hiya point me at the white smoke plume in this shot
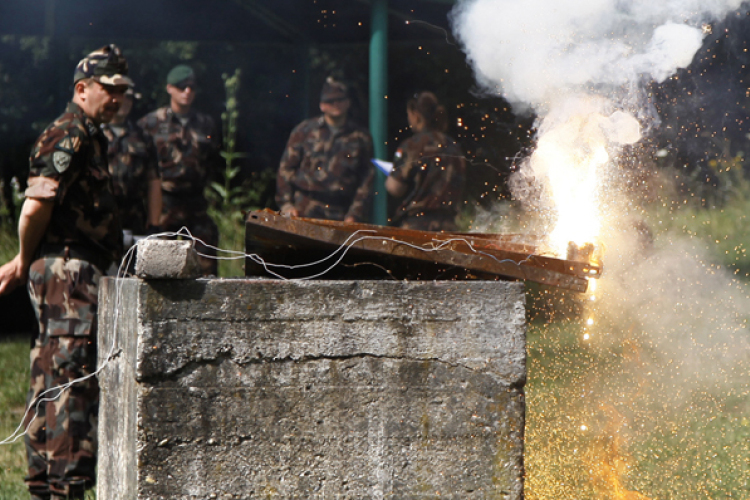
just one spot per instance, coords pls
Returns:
(534, 52)
(579, 64)
(569, 61)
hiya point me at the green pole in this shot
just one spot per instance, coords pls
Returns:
(379, 102)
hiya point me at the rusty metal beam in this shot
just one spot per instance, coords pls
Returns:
(297, 240)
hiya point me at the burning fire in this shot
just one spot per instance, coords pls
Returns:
(575, 146)
(574, 176)
(608, 463)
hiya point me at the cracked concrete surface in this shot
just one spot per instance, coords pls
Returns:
(322, 389)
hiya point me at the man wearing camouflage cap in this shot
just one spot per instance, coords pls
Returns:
(69, 233)
(188, 149)
(326, 172)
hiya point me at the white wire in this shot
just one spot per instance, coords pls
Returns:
(127, 260)
(40, 399)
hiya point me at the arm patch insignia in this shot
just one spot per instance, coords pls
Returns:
(64, 150)
(61, 159)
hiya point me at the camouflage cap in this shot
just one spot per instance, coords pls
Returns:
(179, 74)
(105, 65)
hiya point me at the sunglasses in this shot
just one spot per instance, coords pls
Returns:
(182, 87)
(335, 101)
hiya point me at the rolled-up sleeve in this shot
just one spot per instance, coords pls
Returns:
(42, 188)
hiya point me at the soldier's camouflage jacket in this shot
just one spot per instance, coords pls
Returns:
(330, 171)
(132, 162)
(68, 165)
(434, 169)
(189, 155)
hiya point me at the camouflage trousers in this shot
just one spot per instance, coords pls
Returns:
(61, 439)
(315, 209)
(176, 215)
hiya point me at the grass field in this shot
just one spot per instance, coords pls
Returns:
(596, 428)
(14, 382)
(602, 425)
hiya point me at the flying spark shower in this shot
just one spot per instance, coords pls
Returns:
(580, 67)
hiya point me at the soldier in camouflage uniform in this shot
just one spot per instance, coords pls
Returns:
(135, 174)
(428, 170)
(188, 148)
(70, 235)
(326, 172)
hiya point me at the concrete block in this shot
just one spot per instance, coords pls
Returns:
(167, 259)
(311, 389)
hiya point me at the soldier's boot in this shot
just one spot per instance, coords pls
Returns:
(73, 490)
(38, 487)
(74, 493)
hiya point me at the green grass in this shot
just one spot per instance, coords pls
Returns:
(717, 219)
(723, 231)
(602, 423)
(14, 382)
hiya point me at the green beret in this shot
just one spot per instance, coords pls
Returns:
(179, 74)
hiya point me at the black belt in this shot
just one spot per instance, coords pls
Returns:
(73, 251)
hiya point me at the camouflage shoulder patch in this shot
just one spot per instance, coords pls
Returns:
(61, 160)
(64, 151)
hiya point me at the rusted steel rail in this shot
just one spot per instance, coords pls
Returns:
(293, 247)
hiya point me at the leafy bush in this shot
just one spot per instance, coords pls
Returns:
(8, 243)
(229, 201)
(8, 232)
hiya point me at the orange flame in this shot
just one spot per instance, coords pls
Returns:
(609, 464)
(574, 178)
(575, 147)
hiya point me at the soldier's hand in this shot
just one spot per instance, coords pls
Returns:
(289, 209)
(12, 275)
